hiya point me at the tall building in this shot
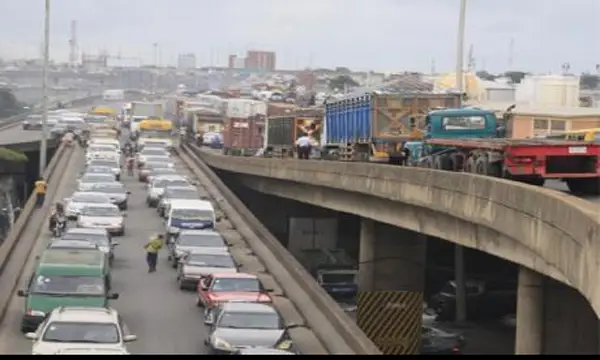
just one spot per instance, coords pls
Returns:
(186, 61)
(236, 62)
(260, 60)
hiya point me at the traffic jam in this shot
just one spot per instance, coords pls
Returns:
(68, 300)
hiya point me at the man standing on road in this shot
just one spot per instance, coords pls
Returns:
(152, 248)
(40, 192)
(304, 146)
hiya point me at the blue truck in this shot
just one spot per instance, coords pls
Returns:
(374, 127)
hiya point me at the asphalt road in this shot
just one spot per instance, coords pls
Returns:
(561, 186)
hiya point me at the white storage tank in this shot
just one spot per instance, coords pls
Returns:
(550, 91)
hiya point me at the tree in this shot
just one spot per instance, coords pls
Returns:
(515, 76)
(589, 81)
(486, 75)
(341, 82)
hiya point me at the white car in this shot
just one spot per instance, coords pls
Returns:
(80, 328)
(110, 163)
(114, 143)
(102, 216)
(87, 181)
(91, 351)
(147, 154)
(157, 187)
(79, 200)
(98, 237)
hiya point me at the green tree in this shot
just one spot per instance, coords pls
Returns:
(341, 82)
(589, 81)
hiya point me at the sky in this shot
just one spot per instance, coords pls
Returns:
(381, 35)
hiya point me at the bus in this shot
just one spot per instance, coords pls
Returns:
(578, 135)
(156, 130)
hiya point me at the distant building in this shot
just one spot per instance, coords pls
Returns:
(260, 60)
(93, 63)
(236, 62)
(186, 61)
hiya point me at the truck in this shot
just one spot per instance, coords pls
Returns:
(474, 140)
(141, 110)
(243, 136)
(201, 121)
(283, 131)
(373, 126)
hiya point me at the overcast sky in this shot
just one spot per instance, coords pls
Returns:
(386, 35)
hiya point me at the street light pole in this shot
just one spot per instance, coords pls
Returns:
(459, 258)
(43, 140)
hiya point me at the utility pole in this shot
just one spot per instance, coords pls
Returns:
(43, 140)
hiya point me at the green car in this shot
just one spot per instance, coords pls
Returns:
(65, 278)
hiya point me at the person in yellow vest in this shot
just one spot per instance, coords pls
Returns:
(152, 248)
(40, 191)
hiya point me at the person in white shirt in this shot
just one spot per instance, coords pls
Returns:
(304, 147)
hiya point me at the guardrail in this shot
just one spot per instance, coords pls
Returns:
(310, 299)
(9, 280)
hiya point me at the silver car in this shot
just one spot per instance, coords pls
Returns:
(79, 200)
(241, 325)
(157, 187)
(87, 181)
(176, 193)
(115, 191)
(112, 164)
(97, 237)
(194, 266)
(102, 216)
(196, 241)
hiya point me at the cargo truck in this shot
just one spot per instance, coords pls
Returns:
(201, 121)
(373, 126)
(474, 141)
(283, 131)
(144, 110)
(243, 136)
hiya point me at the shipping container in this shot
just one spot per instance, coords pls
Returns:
(243, 108)
(374, 125)
(202, 121)
(243, 136)
(279, 109)
(283, 131)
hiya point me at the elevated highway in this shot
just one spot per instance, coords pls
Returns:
(545, 231)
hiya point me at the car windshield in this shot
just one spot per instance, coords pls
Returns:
(97, 178)
(98, 170)
(195, 240)
(82, 332)
(192, 214)
(71, 285)
(249, 320)
(163, 183)
(110, 189)
(236, 285)
(154, 152)
(93, 238)
(341, 278)
(182, 194)
(100, 211)
(89, 198)
(107, 163)
(101, 148)
(207, 260)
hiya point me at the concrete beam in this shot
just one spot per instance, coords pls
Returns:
(544, 230)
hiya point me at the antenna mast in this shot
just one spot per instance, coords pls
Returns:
(511, 51)
(73, 58)
(471, 59)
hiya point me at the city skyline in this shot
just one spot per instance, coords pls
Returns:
(385, 35)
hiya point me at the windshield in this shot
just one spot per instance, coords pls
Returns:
(99, 170)
(97, 178)
(182, 194)
(82, 332)
(201, 240)
(191, 214)
(93, 238)
(169, 182)
(156, 134)
(236, 285)
(154, 152)
(107, 163)
(72, 285)
(156, 165)
(95, 119)
(110, 189)
(89, 198)
(249, 320)
(204, 260)
(100, 211)
(347, 278)
(464, 122)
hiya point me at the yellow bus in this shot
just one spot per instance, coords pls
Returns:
(156, 130)
(579, 135)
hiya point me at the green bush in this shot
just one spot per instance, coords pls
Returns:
(12, 155)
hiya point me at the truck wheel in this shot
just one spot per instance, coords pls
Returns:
(470, 165)
(481, 166)
(589, 186)
(443, 162)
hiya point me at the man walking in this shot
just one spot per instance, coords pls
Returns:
(304, 147)
(152, 248)
(40, 192)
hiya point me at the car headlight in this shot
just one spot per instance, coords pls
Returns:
(173, 229)
(220, 344)
(105, 249)
(36, 313)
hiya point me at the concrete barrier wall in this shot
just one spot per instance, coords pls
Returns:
(545, 230)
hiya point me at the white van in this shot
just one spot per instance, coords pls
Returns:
(190, 214)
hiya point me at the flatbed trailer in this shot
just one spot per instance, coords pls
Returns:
(527, 160)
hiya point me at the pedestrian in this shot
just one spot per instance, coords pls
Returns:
(40, 192)
(304, 147)
(152, 248)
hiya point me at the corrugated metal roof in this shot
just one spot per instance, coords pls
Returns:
(541, 111)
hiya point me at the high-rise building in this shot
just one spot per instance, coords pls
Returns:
(260, 60)
(236, 62)
(186, 61)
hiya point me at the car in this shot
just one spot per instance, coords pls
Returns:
(262, 351)
(79, 199)
(112, 164)
(157, 159)
(99, 148)
(80, 327)
(142, 156)
(240, 325)
(87, 181)
(95, 120)
(59, 130)
(91, 351)
(103, 155)
(158, 185)
(176, 193)
(224, 287)
(148, 167)
(98, 237)
(115, 191)
(194, 266)
(98, 170)
(34, 122)
(72, 245)
(157, 171)
(196, 241)
(102, 216)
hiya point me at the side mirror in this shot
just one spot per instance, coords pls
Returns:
(129, 338)
(31, 336)
(113, 296)
(124, 214)
(114, 243)
(22, 293)
(128, 192)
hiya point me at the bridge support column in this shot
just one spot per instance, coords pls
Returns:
(391, 284)
(530, 309)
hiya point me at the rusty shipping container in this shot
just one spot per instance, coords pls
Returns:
(243, 135)
(283, 131)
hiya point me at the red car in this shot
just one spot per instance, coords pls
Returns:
(217, 288)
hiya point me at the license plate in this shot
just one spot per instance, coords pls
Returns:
(577, 149)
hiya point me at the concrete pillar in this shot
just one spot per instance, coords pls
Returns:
(366, 255)
(530, 309)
